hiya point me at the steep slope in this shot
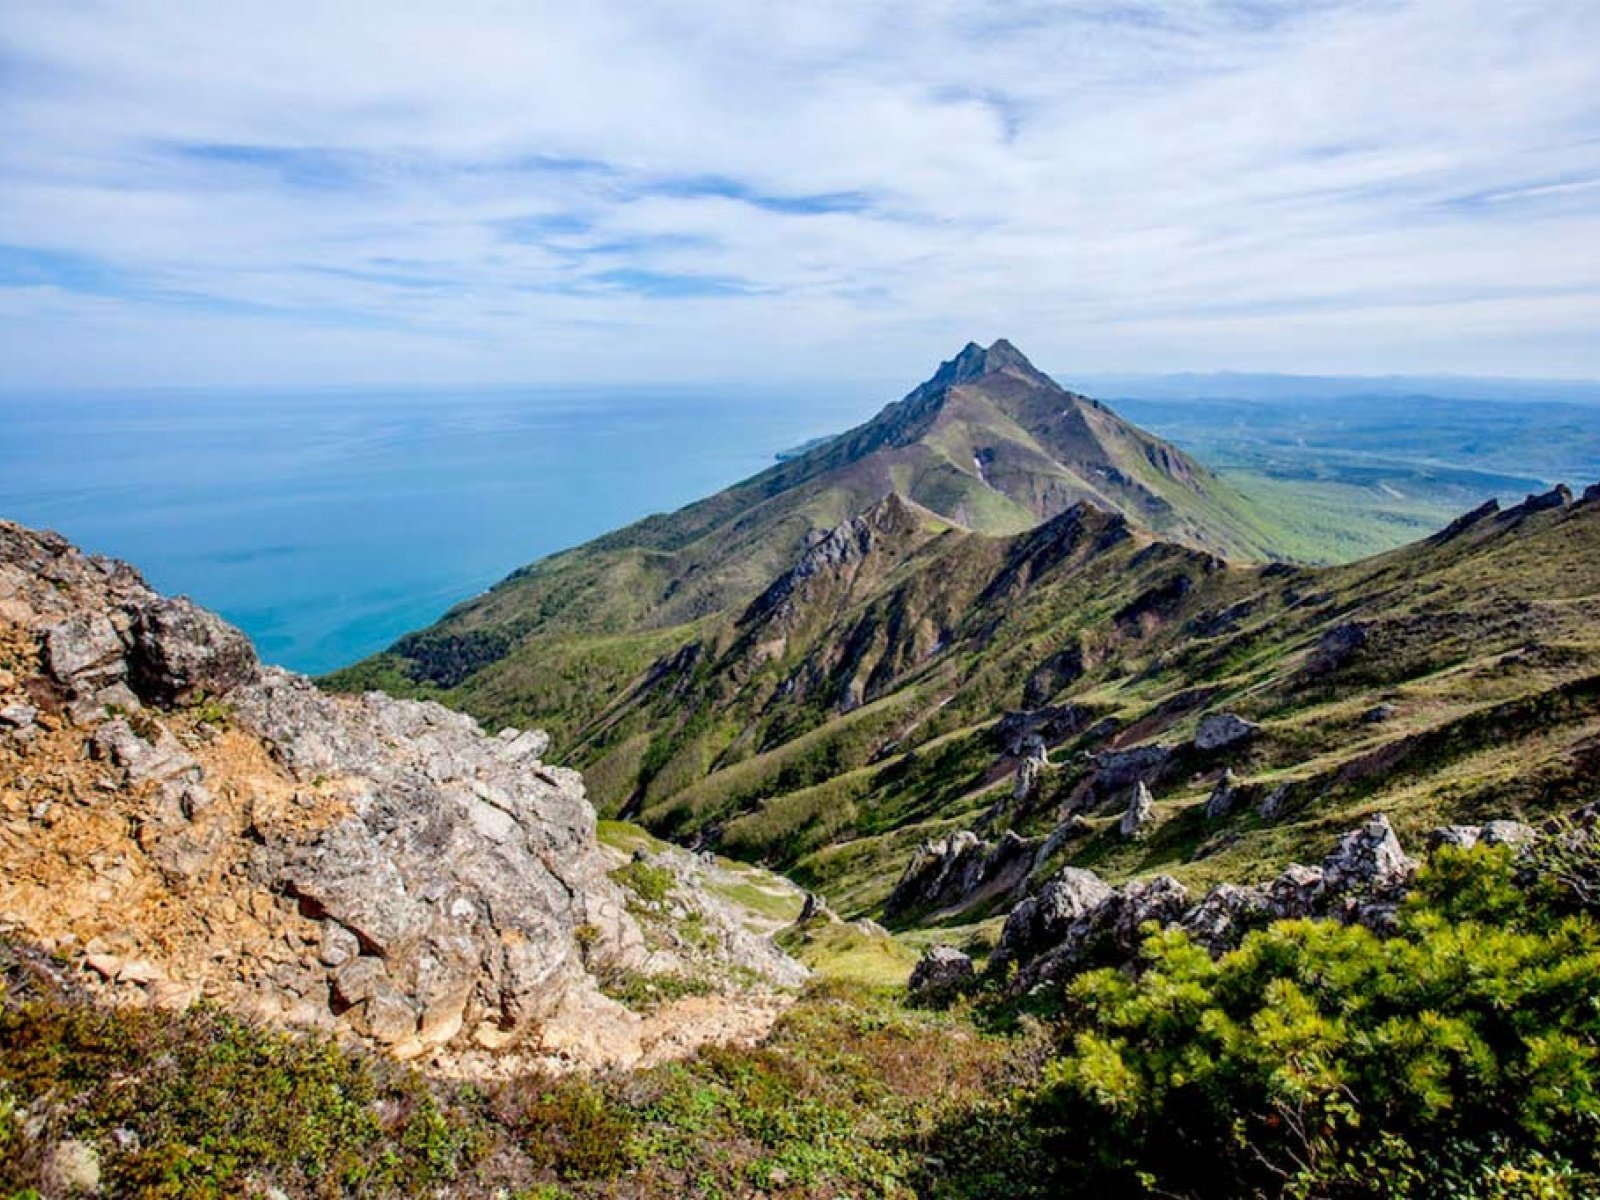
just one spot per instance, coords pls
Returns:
(1142, 707)
(904, 684)
(988, 444)
(183, 822)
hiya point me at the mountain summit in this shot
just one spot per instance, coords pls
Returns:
(974, 361)
(994, 444)
(988, 447)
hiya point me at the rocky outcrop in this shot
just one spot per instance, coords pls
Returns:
(1140, 812)
(1044, 921)
(1494, 833)
(378, 867)
(942, 973)
(958, 871)
(1338, 646)
(1117, 770)
(1224, 797)
(1220, 730)
(1076, 920)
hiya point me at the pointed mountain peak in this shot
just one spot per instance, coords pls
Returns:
(975, 361)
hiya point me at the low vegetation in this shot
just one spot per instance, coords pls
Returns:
(1457, 1057)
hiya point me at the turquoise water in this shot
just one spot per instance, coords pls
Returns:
(327, 524)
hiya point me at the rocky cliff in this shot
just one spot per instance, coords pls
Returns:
(184, 822)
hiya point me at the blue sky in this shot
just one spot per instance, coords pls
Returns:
(725, 190)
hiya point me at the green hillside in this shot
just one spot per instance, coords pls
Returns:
(829, 715)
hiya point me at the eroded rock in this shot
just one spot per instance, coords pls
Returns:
(1221, 730)
(942, 973)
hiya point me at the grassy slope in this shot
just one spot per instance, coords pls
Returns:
(1483, 644)
(554, 643)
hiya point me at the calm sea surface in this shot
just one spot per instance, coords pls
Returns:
(327, 524)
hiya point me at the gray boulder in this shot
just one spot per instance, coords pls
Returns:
(1220, 730)
(1338, 646)
(180, 651)
(1044, 920)
(1369, 858)
(942, 973)
(1463, 837)
(1140, 812)
(1507, 833)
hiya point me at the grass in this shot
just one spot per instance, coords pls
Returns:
(841, 950)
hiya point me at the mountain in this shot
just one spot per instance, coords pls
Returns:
(921, 718)
(1071, 762)
(988, 444)
(908, 682)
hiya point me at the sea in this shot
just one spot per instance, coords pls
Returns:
(327, 523)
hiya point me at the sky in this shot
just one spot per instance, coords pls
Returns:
(203, 194)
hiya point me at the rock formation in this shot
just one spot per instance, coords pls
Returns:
(1220, 730)
(1076, 920)
(941, 973)
(956, 871)
(192, 823)
(1141, 811)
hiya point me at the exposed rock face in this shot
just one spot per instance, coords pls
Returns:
(1031, 764)
(1116, 770)
(1141, 811)
(1559, 496)
(941, 973)
(959, 870)
(375, 866)
(1223, 797)
(1220, 730)
(1045, 920)
(1076, 920)
(1494, 833)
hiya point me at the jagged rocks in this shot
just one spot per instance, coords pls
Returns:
(942, 973)
(1015, 731)
(378, 867)
(1031, 765)
(1116, 770)
(1495, 833)
(1140, 813)
(1559, 496)
(1076, 920)
(1044, 920)
(1369, 858)
(1221, 730)
(1224, 915)
(959, 870)
(1378, 714)
(1223, 797)
(179, 651)
(1275, 802)
(1506, 833)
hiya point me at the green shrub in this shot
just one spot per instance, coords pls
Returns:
(1323, 1060)
(650, 884)
(211, 1101)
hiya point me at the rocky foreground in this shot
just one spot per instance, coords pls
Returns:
(180, 822)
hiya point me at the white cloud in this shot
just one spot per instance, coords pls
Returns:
(316, 193)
